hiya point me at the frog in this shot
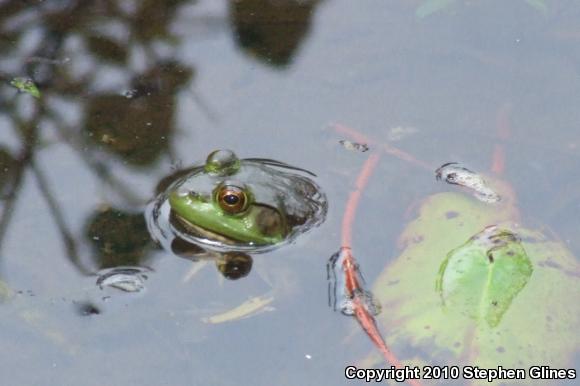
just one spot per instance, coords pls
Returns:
(226, 209)
(232, 204)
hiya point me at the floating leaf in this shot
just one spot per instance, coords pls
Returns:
(539, 323)
(431, 6)
(26, 85)
(482, 277)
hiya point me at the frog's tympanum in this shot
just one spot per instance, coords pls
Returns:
(232, 204)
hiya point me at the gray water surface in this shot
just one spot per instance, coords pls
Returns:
(133, 90)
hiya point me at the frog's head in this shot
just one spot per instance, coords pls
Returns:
(248, 202)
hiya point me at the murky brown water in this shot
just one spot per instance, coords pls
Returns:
(130, 91)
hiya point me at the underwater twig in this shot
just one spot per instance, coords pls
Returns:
(11, 196)
(27, 131)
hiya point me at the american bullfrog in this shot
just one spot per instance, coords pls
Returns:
(237, 205)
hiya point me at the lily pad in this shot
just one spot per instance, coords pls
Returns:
(427, 318)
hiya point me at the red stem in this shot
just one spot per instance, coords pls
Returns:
(503, 128)
(352, 284)
(352, 203)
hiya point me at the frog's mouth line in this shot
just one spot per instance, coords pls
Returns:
(188, 227)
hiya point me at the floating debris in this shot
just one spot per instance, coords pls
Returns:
(87, 309)
(454, 174)
(346, 285)
(248, 308)
(124, 279)
(132, 93)
(354, 146)
(400, 132)
(25, 85)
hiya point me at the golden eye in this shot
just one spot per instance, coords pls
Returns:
(232, 199)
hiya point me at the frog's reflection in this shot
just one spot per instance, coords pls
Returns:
(232, 265)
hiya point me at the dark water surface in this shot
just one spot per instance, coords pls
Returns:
(132, 90)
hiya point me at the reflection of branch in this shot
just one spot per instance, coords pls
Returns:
(204, 106)
(10, 201)
(68, 240)
(71, 137)
(27, 131)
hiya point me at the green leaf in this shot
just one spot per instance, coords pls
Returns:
(482, 277)
(539, 5)
(25, 85)
(425, 315)
(431, 6)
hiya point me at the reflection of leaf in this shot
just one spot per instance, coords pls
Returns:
(108, 49)
(540, 324)
(119, 238)
(272, 31)
(153, 17)
(540, 5)
(482, 277)
(165, 77)
(431, 6)
(26, 85)
(137, 127)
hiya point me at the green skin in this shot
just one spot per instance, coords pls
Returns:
(246, 227)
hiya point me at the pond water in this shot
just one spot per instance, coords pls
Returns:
(131, 91)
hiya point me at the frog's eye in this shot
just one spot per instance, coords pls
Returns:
(232, 199)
